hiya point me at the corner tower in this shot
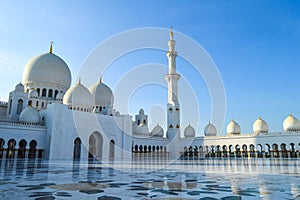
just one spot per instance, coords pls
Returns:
(173, 107)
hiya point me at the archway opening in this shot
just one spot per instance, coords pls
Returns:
(11, 148)
(95, 146)
(77, 149)
(32, 149)
(111, 150)
(22, 149)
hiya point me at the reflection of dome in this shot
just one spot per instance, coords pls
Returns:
(60, 96)
(102, 94)
(19, 87)
(33, 94)
(210, 130)
(47, 68)
(30, 115)
(189, 131)
(157, 131)
(260, 126)
(78, 96)
(291, 123)
(233, 128)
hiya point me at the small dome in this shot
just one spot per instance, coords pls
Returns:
(19, 87)
(142, 129)
(101, 94)
(157, 131)
(60, 96)
(33, 94)
(30, 115)
(233, 128)
(47, 68)
(210, 130)
(189, 131)
(291, 123)
(78, 96)
(260, 126)
(141, 111)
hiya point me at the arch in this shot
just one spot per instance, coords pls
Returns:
(95, 146)
(149, 148)
(267, 151)
(22, 149)
(245, 150)
(231, 151)
(11, 148)
(157, 148)
(43, 104)
(32, 149)
(293, 153)
(37, 104)
(275, 150)
(38, 91)
(283, 150)
(30, 103)
(190, 151)
(111, 150)
(145, 148)
(44, 91)
(252, 150)
(259, 149)
(2, 142)
(136, 148)
(153, 148)
(19, 106)
(144, 121)
(238, 150)
(224, 150)
(141, 148)
(77, 149)
(55, 93)
(50, 93)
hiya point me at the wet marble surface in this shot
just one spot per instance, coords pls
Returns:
(226, 179)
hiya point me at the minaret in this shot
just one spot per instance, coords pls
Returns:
(173, 107)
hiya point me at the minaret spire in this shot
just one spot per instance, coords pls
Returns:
(173, 106)
(51, 43)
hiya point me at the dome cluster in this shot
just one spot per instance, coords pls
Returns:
(98, 98)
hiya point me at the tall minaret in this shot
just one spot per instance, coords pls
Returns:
(173, 112)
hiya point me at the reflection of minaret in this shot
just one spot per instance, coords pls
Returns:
(173, 112)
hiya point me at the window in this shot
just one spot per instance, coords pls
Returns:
(19, 106)
(44, 91)
(50, 93)
(37, 104)
(38, 91)
(29, 103)
(55, 93)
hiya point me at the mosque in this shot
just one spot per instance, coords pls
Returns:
(47, 118)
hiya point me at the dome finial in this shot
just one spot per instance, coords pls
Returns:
(100, 79)
(51, 43)
(259, 117)
(79, 81)
(171, 34)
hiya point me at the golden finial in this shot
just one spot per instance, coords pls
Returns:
(171, 33)
(79, 81)
(100, 79)
(259, 118)
(51, 43)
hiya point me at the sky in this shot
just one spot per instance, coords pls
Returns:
(254, 44)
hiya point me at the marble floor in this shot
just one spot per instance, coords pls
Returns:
(224, 179)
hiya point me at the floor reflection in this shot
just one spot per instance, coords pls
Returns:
(253, 178)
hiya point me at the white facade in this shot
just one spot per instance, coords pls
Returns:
(46, 117)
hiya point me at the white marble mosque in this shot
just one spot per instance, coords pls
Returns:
(46, 117)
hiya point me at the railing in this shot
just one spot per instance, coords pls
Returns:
(3, 103)
(21, 124)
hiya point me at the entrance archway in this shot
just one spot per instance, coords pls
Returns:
(77, 149)
(95, 146)
(111, 150)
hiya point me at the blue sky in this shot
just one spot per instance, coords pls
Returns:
(255, 45)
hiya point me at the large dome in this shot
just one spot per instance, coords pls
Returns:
(189, 131)
(47, 68)
(233, 128)
(291, 123)
(102, 94)
(30, 115)
(210, 130)
(78, 96)
(260, 126)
